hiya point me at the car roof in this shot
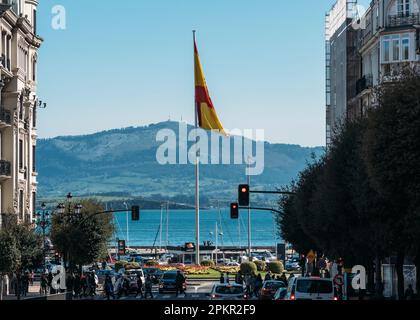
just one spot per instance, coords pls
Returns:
(314, 279)
(228, 285)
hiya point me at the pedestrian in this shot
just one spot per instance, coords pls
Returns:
(139, 286)
(409, 293)
(49, 282)
(70, 284)
(180, 281)
(248, 280)
(227, 280)
(77, 285)
(148, 287)
(222, 278)
(283, 278)
(109, 287)
(43, 285)
(25, 284)
(84, 284)
(268, 276)
(258, 283)
(239, 279)
(31, 278)
(94, 282)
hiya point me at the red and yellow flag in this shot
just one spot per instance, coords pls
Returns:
(206, 114)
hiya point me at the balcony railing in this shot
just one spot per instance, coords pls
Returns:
(5, 116)
(364, 83)
(403, 20)
(5, 168)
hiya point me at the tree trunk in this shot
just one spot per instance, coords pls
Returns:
(378, 279)
(400, 274)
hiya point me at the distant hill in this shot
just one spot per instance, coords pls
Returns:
(123, 162)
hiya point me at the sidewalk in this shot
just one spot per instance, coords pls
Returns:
(33, 292)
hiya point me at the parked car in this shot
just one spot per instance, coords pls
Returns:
(270, 288)
(228, 292)
(292, 266)
(232, 264)
(301, 288)
(167, 282)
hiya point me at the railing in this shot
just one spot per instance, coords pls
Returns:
(5, 168)
(403, 20)
(5, 116)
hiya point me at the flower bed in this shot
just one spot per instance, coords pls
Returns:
(226, 269)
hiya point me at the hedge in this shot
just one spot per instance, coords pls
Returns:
(248, 268)
(275, 267)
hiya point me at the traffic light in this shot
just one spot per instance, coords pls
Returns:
(243, 195)
(234, 211)
(121, 247)
(135, 213)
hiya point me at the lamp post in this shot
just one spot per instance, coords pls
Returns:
(43, 222)
(69, 212)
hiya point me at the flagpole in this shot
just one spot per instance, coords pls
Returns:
(197, 177)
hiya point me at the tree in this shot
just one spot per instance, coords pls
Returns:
(20, 247)
(82, 239)
(392, 153)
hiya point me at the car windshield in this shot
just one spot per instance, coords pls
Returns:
(229, 290)
(314, 286)
(169, 276)
(274, 285)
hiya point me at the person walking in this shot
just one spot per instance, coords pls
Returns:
(148, 287)
(77, 285)
(258, 285)
(180, 280)
(248, 285)
(94, 282)
(43, 285)
(139, 287)
(49, 282)
(283, 278)
(268, 276)
(222, 278)
(109, 288)
(227, 280)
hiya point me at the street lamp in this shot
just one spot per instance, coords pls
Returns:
(43, 222)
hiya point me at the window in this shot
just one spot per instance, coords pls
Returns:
(33, 70)
(403, 8)
(20, 154)
(395, 48)
(34, 117)
(34, 202)
(405, 44)
(33, 158)
(21, 204)
(34, 22)
(386, 47)
(21, 107)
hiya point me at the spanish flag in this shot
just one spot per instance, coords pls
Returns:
(206, 114)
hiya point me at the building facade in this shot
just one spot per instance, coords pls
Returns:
(18, 105)
(342, 63)
(387, 41)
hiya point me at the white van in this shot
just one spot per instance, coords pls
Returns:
(301, 288)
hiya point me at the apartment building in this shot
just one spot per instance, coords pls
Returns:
(18, 105)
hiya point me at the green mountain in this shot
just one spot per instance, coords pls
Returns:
(122, 163)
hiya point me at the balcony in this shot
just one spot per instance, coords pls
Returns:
(364, 83)
(403, 20)
(5, 118)
(5, 170)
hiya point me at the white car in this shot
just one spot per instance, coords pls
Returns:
(301, 288)
(228, 292)
(232, 264)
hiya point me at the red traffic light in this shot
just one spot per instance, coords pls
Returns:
(243, 195)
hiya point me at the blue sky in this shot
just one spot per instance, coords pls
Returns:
(130, 63)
